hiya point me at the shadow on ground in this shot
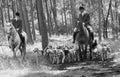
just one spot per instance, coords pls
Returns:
(82, 69)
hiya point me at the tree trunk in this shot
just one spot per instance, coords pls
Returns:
(116, 19)
(32, 19)
(64, 10)
(13, 9)
(8, 10)
(99, 10)
(48, 18)
(22, 15)
(41, 19)
(27, 24)
(72, 3)
(16, 6)
(51, 23)
(106, 20)
(2, 18)
(53, 8)
(37, 8)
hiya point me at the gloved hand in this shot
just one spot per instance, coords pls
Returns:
(83, 23)
(78, 21)
(17, 29)
(75, 29)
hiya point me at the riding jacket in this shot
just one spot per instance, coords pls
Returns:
(17, 24)
(84, 18)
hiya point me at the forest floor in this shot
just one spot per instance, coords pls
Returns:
(10, 67)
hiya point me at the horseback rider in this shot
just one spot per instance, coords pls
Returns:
(84, 18)
(17, 23)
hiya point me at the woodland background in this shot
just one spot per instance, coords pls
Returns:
(58, 17)
(53, 21)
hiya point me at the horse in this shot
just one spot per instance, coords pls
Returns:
(83, 40)
(15, 41)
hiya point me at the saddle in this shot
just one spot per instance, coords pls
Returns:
(21, 36)
(90, 31)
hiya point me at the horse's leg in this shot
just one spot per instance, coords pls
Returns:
(90, 52)
(74, 56)
(85, 51)
(63, 59)
(80, 54)
(20, 50)
(14, 53)
(58, 60)
(23, 52)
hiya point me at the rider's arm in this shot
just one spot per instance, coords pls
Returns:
(20, 24)
(86, 19)
(13, 22)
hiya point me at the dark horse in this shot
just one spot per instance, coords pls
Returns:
(14, 40)
(83, 40)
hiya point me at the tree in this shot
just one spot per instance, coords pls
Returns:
(13, 8)
(99, 10)
(106, 21)
(24, 16)
(8, 10)
(54, 12)
(27, 24)
(72, 3)
(42, 23)
(49, 24)
(64, 10)
(116, 19)
(2, 16)
(32, 19)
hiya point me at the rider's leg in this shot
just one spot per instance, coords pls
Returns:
(8, 37)
(92, 35)
(91, 32)
(74, 35)
(21, 37)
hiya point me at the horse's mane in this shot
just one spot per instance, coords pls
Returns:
(81, 28)
(13, 31)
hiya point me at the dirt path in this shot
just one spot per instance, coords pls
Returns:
(109, 68)
(12, 68)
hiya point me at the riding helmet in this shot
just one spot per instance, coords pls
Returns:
(17, 14)
(81, 8)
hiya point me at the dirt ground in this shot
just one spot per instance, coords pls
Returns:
(14, 68)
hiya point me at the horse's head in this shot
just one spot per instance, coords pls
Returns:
(82, 36)
(9, 28)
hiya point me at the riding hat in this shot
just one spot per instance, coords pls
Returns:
(17, 14)
(81, 8)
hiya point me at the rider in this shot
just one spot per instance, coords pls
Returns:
(17, 23)
(84, 18)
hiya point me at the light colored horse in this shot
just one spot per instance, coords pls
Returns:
(15, 41)
(83, 41)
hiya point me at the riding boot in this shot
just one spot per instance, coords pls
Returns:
(22, 38)
(8, 40)
(20, 35)
(92, 35)
(74, 35)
